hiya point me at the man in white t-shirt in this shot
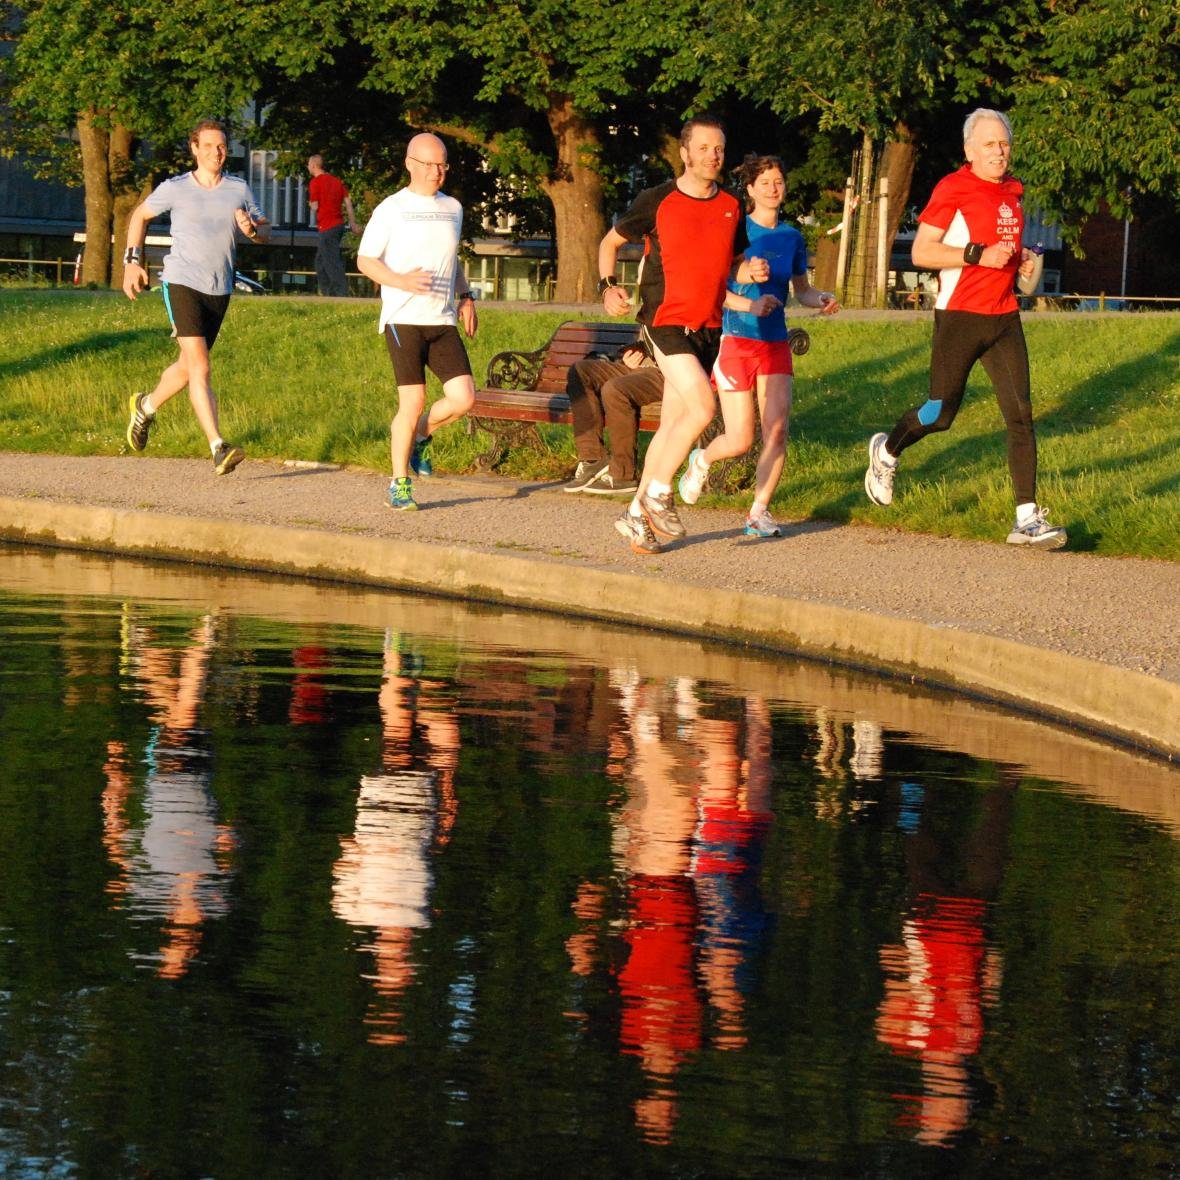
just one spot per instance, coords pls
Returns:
(411, 247)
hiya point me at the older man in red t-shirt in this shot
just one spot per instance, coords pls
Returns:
(329, 201)
(970, 231)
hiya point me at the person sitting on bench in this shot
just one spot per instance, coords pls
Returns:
(610, 393)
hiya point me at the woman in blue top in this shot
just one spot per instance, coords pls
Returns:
(755, 354)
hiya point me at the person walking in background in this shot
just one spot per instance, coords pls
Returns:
(970, 231)
(329, 201)
(694, 235)
(209, 211)
(609, 394)
(411, 248)
(755, 354)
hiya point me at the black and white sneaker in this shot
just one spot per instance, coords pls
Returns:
(586, 471)
(605, 484)
(140, 424)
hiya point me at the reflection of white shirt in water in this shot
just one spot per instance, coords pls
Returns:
(179, 838)
(383, 876)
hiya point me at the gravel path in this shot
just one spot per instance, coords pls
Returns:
(1121, 611)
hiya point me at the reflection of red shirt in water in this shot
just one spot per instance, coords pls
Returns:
(937, 1007)
(661, 1007)
(309, 696)
(728, 838)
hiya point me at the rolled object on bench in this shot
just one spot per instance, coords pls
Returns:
(799, 340)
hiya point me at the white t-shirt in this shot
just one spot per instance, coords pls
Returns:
(409, 230)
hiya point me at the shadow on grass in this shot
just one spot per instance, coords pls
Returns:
(101, 342)
(1082, 538)
(1100, 399)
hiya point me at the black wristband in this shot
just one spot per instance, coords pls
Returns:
(130, 255)
(468, 294)
(972, 253)
(605, 285)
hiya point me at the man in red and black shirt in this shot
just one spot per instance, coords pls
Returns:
(693, 232)
(970, 232)
(329, 202)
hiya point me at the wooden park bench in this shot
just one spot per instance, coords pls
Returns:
(525, 389)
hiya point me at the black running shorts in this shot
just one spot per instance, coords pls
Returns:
(702, 343)
(193, 313)
(413, 348)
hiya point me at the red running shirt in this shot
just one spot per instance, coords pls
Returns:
(972, 210)
(690, 245)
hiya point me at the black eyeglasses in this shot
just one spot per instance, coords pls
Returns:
(429, 163)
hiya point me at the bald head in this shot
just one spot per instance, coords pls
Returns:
(426, 162)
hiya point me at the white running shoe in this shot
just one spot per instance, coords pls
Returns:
(692, 482)
(879, 477)
(762, 525)
(1038, 532)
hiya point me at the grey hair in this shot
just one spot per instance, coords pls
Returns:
(983, 113)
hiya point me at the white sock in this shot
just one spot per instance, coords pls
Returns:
(702, 464)
(757, 508)
(217, 442)
(635, 509)
(655, 488)
(147, 407)
(1025, 512)
(886, 456)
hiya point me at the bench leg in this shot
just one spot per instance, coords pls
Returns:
(504, 435)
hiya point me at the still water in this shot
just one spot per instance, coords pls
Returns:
(308, 881)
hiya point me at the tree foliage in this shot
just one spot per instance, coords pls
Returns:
(560, 101)
(1094, 98)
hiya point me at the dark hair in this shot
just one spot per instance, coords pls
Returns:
(699, 121)
(750, 169)
(206, 125)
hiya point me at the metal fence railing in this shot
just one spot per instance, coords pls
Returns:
(60, 272)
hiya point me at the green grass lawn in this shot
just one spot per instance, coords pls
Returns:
(304, 379)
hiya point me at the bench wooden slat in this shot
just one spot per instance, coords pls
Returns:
(547, 401)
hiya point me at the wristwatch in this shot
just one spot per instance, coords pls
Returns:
(468, 294)
(972, 253)
(605, 284)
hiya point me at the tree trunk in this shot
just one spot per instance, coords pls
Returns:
(897, 164)
(862, 249)
(895, 160)
(575, 188)
(126, 194)
(95, 142)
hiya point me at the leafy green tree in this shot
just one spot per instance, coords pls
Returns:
(869, 70)
(545, 89)
(99, 92)
(1095, 101)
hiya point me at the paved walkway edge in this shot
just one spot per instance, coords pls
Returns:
(1123, 704)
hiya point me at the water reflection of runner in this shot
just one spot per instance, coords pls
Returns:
(941, 975)
(175, 864)
(383, 878)
(661, 1017)
(733, 820)
(686, 843)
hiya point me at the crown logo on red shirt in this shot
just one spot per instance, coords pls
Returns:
(1005, 209)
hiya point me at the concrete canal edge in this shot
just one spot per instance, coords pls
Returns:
(1122, 704)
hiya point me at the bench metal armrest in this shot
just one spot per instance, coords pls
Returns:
(515, 370)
